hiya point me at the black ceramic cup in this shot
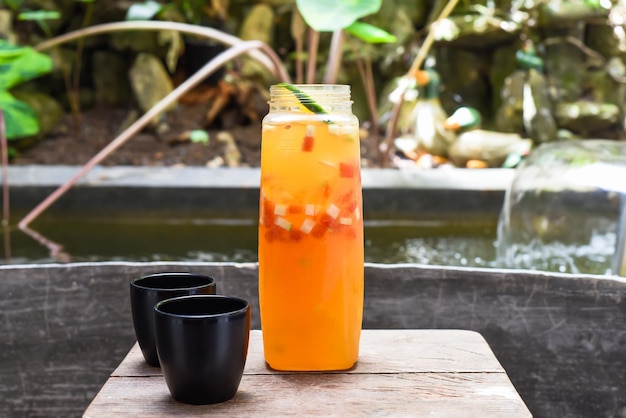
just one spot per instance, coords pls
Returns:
(147, 291)
(202, 342)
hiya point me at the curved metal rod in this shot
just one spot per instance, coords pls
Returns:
(267, 57)
(136, 127)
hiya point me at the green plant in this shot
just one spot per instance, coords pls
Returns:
(256, 49)
(41, 17)
(38, 16)
(339, 16)
(193, 10)
(17, 118)
(17, 65)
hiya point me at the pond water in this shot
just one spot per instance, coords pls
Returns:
(123, 237)
(447, 241)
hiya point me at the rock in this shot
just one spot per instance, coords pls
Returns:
(6, 26)
(110, 78)
(49, 113)
(602, 86)
(490, 147)
(150, 82)
(565, 64)
(175, 47)
(553, 13)
(587, 117)
(506, 65)
(602, 38)
(215, 162)
(509, 115)
(537, 109)
(232, 155)
(146, 42)
(565, 135)
(258, 25)
(462, 79)
(476, 30)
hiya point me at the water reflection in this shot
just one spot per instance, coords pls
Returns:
(456, 242)
(56, 250)
(6, 235)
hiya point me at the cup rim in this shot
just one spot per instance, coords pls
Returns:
(135, 282)
(227, 314)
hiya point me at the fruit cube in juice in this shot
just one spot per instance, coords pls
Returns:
(311, 243)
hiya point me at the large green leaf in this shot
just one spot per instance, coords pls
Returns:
(370, 33)
(19, 118)
(331, 15)
(20, 64)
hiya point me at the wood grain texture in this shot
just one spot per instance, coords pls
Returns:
(438, 373)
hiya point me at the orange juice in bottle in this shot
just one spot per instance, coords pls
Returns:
(310, 229)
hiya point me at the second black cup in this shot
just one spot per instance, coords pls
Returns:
(202, 343)
(147, 291)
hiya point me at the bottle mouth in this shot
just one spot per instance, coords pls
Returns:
(317, 98)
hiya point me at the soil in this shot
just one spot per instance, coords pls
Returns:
(164, 145)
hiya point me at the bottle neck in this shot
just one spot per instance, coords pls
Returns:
(311, 98)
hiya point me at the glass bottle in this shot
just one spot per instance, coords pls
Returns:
(310, 229)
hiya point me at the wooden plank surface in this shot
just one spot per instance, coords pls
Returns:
(440, 373)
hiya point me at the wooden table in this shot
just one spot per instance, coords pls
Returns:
(434, 373)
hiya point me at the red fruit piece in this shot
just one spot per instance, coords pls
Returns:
(296, 235)
(347, 201)
(307, 143)
(276, 232)
(295, 209)
(268, 212)
(326, 220)
(270, 235)
(319, 230)
(346, 170)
